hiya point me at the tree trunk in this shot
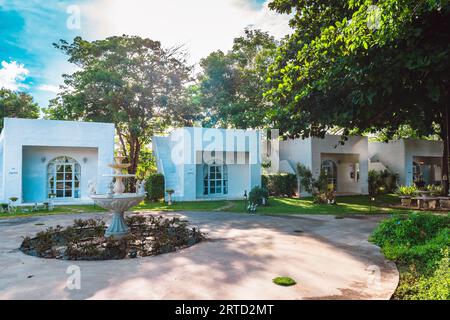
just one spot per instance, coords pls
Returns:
(446, 160)
(445, 155)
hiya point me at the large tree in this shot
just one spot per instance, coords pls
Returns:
(231, 85)
(17, 105)
(364, 68)
(132, 82)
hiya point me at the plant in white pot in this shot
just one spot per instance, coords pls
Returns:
(169, 193)
(406, 193)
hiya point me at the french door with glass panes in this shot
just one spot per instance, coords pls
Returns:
(64, 178)
(215, 181)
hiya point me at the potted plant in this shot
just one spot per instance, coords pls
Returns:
(169, 193)
(406, 193)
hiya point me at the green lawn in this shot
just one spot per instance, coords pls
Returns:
(346, 205)
(57, 210)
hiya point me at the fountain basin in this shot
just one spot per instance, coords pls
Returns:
(117, 204)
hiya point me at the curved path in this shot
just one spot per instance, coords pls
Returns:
(329, 258)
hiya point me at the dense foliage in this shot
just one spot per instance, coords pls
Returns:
(132, 82)
(282, 185)
(155, 187)
(17, 105)
(419, 244)
(258, 195)
(362, 67)
(382, 182)
(231, 85)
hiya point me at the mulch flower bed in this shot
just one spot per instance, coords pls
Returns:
(85, 240)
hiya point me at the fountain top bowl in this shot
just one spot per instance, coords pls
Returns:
(118, 196)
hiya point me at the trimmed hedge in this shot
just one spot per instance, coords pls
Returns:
(281, 185)
(155, 187)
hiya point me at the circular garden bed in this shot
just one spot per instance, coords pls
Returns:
(85, 239)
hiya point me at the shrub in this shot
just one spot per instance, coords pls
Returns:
(284, 281)
(264, 181)
(418, 243)
(407, 191)
(435, 190)
(318, 187)
(382, 182)
(283, 185)
(257, 194)
(155, 187)
(435, 287)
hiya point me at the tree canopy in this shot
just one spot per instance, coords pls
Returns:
(132, 82)
(362, 68)
(231, 85)
(17, 105)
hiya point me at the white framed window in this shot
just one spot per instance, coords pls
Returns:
(64, 177)
(215, 179)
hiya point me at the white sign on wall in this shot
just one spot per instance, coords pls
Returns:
(13, 171)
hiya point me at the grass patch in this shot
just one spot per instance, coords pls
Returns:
(419, 245)
(358, 204)
(57, 210)
(182, 206)
(284, 281)
(276, 205)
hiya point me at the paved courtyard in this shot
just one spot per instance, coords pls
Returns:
(329, 258)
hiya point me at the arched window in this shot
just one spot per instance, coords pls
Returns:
(63, 176)
(215, 179)
(330, 169)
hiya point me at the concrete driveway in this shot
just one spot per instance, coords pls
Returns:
(329, 258)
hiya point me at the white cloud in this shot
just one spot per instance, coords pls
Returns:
(12, 75)
(49, 88)
(203, 25)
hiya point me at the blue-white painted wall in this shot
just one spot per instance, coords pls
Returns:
(34, 176)
(25, 142)
(181, 155)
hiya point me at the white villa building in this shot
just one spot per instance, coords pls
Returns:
(411, 159)
(346, 165)
(209, 164)
(42, 157)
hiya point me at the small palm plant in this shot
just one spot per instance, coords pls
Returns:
(169, 193)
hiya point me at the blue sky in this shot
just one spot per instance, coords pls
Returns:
(29, 62)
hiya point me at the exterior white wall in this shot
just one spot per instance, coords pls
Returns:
(397, 155)
(391, 155)
(20, 133)
(418, 148)
(296, 151)
(34, 177)
(181, 154)
(310, 152)
(356, 146)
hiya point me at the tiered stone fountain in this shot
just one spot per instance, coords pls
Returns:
(117, 201)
